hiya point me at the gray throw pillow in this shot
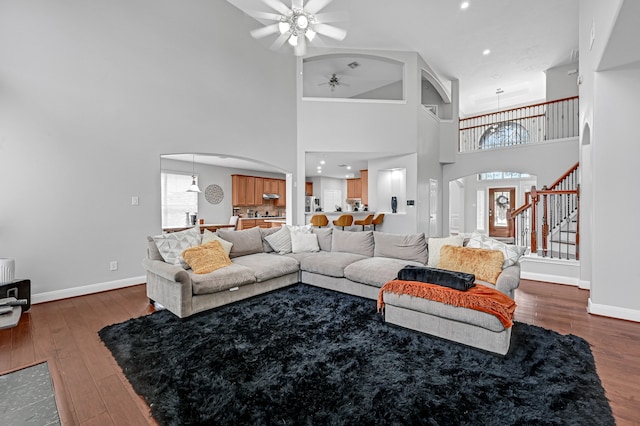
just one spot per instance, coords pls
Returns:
(247, 241)
(406, 247)
(265, 232)
(360, 242)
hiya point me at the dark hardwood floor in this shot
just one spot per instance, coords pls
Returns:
(91, 390)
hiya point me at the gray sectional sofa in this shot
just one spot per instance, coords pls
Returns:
(358, 263)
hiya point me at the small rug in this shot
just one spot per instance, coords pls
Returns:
(27, 398)
(305, 355)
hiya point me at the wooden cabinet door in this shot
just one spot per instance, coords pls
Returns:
(358, 188)
(259, 190)
(251, 191)
(268, 186)
(364, 178)
(239, 190)
(354, 188)
(246, 224)
(308, 188)
(282, 192)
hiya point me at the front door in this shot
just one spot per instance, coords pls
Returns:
(501, 200)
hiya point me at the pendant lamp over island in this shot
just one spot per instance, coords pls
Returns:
(194, 185)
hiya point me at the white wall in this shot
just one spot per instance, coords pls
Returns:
(562, 82)
(91, 94)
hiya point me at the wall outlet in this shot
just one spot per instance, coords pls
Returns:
(113, 265)
(134, 200)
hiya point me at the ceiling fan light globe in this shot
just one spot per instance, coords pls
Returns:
(293, 40)
(310, 34)
(283, 26)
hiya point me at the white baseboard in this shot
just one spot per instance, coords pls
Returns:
(613, 311)
(86, 289)
(584, 284)
(558, 279)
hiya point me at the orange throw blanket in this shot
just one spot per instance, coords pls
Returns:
(479, 298)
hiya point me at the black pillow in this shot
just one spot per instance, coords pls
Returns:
(452, 279)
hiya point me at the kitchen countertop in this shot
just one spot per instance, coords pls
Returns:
(358, 213)
(262, 217)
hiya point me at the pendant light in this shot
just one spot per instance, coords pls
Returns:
(194, 185)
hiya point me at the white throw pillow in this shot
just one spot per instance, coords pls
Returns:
(209, 236)
(435, 244)
(304, 243)
(303, 229)
(171, 245)
(280, 241)
(512, 253)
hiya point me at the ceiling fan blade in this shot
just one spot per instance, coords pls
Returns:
(264, 31)
(301, 48)
(296, 4)
(314, 6)
(278, 6)
(279, 41)
(330, 31)
(332, 17)
(263, 15)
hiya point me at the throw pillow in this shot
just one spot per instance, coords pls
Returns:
(265, 232)
(206, 257)
(512, 253)
(452, 279)
(280, 241)
(304, 229)
(172, 244)
(360, 242)
(209, 236)
(405, 247)
(247, 241)
(435, 244)
(304, 243)
(486, 265)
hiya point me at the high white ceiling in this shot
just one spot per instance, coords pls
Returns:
(525, 38)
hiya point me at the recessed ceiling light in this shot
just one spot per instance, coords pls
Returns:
(319, 167)
(486, 52)
(348, 167)
(319, 171)
(464, 5)
(322, 162)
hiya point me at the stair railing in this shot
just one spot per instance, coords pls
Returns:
(558, 208)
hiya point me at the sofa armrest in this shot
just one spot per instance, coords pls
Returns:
(509, 280)
(166, 270)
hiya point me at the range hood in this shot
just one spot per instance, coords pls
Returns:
(270, 196)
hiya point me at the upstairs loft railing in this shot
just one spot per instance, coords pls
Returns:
(552, 216)
(516, 126)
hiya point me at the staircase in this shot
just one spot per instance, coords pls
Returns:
(548, 223)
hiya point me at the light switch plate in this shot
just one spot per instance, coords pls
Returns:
(134, 200)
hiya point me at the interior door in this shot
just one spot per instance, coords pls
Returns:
(501, 200)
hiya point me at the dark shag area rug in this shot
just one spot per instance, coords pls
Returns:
(305, 355)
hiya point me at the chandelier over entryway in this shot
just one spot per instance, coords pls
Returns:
(299, 24)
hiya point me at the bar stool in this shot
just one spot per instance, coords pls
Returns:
(377, 221)
(364, 222)
(343, 220)
(319, 220)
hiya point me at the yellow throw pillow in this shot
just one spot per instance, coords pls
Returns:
(206, 258)
(485, 264)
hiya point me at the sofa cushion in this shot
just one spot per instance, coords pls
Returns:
(486, 265)
(353, 242)
(172, 244)
(376, 271)
(247, 241)
(435, 244)
(207, 257)
(221, 279)
(512, 253)
(208, 236)
(268, 265)
(324, 237)
(407, 247)
(329, 263)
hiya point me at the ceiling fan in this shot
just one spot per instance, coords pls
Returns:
(334, 81)
(298, 24)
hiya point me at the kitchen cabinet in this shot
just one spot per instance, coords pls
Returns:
(364, 178)
(354, 188)
(259, 190)
(251, 191)
(308, 188)
(252, 223)
(282, 191)
(270, 186)
(239, 190)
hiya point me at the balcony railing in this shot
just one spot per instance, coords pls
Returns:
(516, 126)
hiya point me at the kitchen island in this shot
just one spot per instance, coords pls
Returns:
(261, 222)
